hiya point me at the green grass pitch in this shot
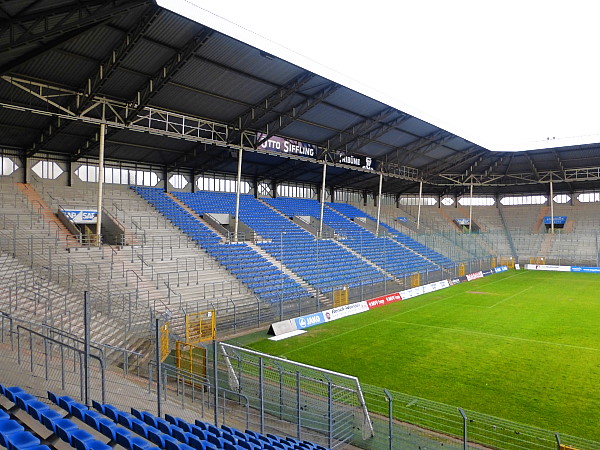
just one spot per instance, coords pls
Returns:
(521, 345)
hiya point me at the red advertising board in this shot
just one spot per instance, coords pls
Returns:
(384, 300)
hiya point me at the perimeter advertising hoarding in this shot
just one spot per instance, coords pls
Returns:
(384, 300)
(329, 315)
(309, 321)
(474, 276)
(458, 280)
(345, 311)
(288, 146)
(586, 269)
(549, 267)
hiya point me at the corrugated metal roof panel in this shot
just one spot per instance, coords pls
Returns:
(197, 104)
(242, 57)
(221, 82)
(172, 29)
(148, 57)
(59, 68)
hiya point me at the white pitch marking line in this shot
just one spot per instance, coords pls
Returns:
(558, 344)
(511, 296)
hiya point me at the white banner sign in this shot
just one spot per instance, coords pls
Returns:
(79, 216)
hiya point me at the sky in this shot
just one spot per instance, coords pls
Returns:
(507, 75)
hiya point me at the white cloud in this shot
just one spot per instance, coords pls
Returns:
(507, 75)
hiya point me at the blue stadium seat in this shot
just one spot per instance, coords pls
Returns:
(20, 440)
(8, 427)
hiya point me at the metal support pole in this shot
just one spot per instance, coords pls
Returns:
(329, 412)
(390, 400)
(158, 370)
(471, 208)
(261, 395)
(464, 417)
(322, 198)
(86, 340)
(299, 421)
(551, 205)
(216, 382)
(281, 287)
(558, 443)
(100, 182)
(379, 203)
(237, 194)
(420, 203)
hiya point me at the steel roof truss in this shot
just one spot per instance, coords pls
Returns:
(286, 118)
(253, 114)
(32, 28)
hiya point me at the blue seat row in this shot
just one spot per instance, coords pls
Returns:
(14, 436)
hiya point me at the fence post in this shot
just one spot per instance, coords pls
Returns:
(298, 410)
(464, 417)
(329, 412)
(86, 343)
(558, 444)
(390, 400)
(216, 382)
(261, 395)
(158, 374)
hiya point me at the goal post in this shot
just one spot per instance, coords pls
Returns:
(326, 402)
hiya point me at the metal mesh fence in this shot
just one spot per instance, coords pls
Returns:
(318, 402)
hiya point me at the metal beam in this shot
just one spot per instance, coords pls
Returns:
(531, 163)
(286, 118)
(421, 146)
(41, 49)
(94, 84)
(258, 111)
(153, 86)
(27, 29)
(369, 129)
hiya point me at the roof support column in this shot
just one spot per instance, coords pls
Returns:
(25, 163)
(165, 174)
(100, 184)
(69, 173)
(322, 199)
(379, 202)
(551, 205)
(420, 202)
(238, 189)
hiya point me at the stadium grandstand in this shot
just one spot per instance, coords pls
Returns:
(166, 189)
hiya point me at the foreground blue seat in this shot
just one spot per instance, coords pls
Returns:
(7, 428)
(89, 444)
(20, 440)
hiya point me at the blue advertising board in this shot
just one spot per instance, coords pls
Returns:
(309, 321)
(585, 269)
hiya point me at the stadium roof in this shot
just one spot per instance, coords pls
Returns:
(183, 97)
